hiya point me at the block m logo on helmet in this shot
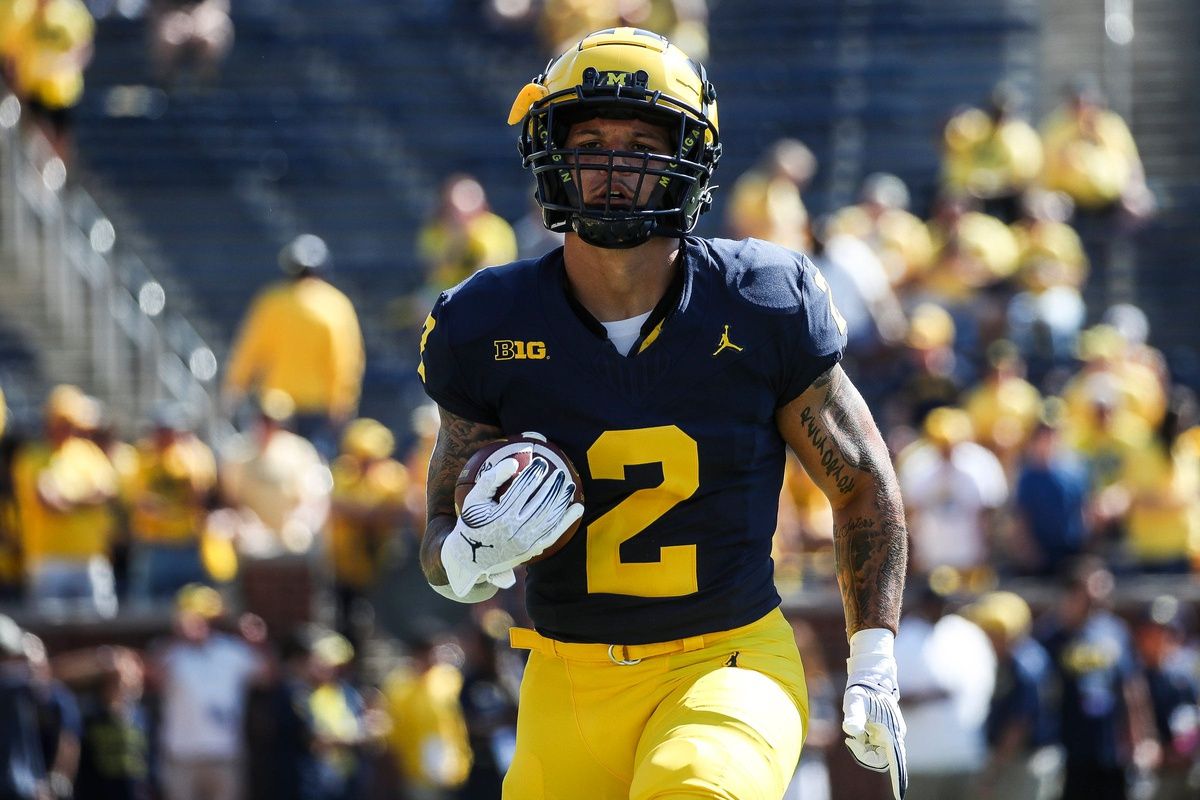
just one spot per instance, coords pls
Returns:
(614, 78)
(514, 350)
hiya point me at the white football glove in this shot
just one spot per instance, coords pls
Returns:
(873, 725)
(493, 536)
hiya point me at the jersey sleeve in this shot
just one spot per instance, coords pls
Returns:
(443, 375)
(815, 336)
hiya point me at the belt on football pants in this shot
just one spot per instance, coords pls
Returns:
(621, 654)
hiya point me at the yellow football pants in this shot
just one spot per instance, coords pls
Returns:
(716, 716)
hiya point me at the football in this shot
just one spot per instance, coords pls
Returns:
(521, 447)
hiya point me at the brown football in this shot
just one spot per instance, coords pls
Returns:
(521, 447)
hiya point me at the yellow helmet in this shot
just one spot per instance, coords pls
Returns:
(621, 73)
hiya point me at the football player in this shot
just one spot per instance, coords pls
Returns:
(673, 371)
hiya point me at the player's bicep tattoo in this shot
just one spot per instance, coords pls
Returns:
(835, 437)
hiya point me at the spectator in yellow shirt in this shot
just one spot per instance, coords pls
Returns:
(1158, 498)
(429, 741)
(1051, 253)
(302, 337)
(63, 487)
(464, 236)
(972, 250)
(991, 153)
(882, 220)
(367, 506)
(1090, 154)
(1139, 389)
(766, 202)
(173, 488)
(48, 44)
(1004, 407)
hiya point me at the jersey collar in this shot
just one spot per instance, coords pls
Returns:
(653, 326)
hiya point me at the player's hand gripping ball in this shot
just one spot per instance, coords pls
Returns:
(523, 448)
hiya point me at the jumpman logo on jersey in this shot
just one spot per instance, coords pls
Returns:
(725, 344)
(476, 546)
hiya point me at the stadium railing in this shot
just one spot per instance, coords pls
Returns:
(96, 293)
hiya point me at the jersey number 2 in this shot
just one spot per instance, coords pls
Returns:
(674, 573)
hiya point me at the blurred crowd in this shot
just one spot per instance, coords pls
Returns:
(1039, 443)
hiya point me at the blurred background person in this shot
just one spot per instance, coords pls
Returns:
(367, 508)
(274, 483)
(174, 487)
(1160, 636)
(59, 722)
(861, 290)
(23, 774)
(302, 337)
(1050, 524)
(947, 672)
(992, 153)
(202, 677)
(1024, 759)
(1157, 497)
(489, 704)
(974, 256)
(461, 236)
(319, 720)
(927, 375)
(47, 44)
(117, 758)
(429, 738)
(1003, 406)
(1090, 154)
(1137, 388)
(1048, 311)
(767, 201)
(882, 220)
(63, 486)
(1105, 720)
(952, 488)
(193, 35)
(464, 235)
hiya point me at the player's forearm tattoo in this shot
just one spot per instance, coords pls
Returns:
(457, 439)
(871, 554)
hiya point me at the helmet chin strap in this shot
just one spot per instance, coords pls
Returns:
(618, 234)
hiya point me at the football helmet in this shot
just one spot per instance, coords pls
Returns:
(621, 73)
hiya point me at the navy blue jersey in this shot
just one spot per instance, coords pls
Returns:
(676, 443)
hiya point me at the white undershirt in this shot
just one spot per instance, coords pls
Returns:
(624, 332)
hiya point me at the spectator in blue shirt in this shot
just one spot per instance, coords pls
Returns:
(1105, 720)
(1172, 678)
(60, 726)
(1051, 492)
(1024, 759)
(22, 771)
